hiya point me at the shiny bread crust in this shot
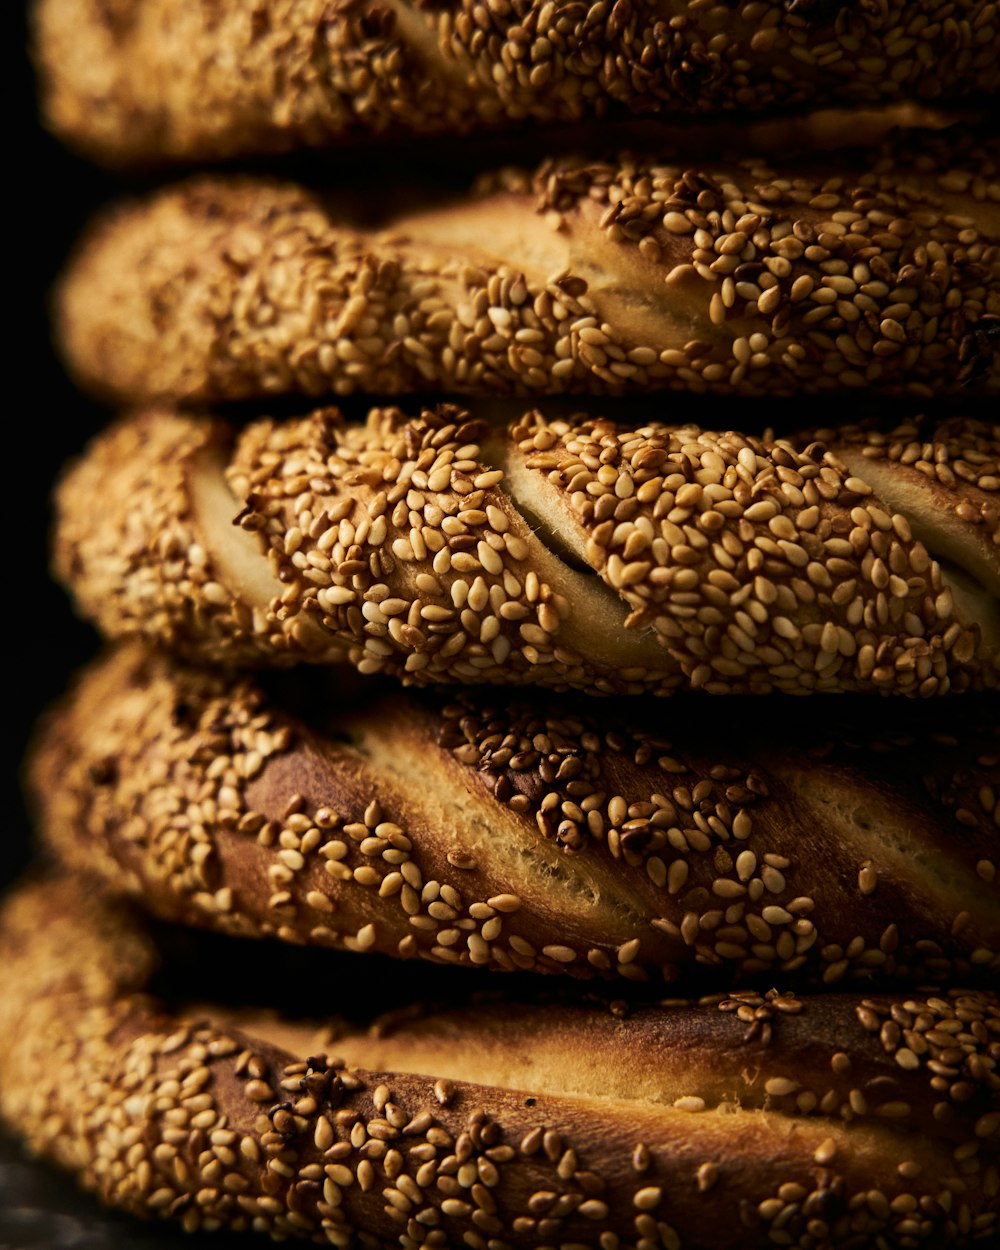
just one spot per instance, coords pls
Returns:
(201, 1122)
(491, 832)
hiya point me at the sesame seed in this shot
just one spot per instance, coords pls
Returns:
(647, 1198)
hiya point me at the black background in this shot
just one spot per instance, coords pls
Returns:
(49, 195)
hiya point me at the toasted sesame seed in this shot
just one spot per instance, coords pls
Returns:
(647, 1198)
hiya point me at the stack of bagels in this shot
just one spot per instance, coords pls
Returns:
(592, 572)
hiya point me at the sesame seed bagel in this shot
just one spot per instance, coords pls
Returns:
(879, 270)
(174, 79)
(864, 1122)
(535, 837)
(564, 552)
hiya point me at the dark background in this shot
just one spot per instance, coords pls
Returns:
(49, 194)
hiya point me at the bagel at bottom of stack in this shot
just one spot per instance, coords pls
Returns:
(553, 836)
(559, 551)
(841, 1122)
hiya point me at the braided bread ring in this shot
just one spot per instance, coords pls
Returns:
(212, 1126)
(530, 836)
(174, 78)
(880, 271)
(439, 548)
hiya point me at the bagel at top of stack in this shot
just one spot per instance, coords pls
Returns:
(179, 79)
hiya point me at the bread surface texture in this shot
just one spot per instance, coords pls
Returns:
(556, 837)
(873, 270)
(805, 1117)
(166, 79)
(568, 552)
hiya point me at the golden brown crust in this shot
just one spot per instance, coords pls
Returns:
(752, 1051)
(943, 476)
(440, 549)
(156, 563)
(174, 78)
(205, 1124)
(530, 837)
(878, 271)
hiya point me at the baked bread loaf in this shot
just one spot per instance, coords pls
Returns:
(179, 79)
(877, 270)
(444, 548)
(864, 1122)
(529, 836)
